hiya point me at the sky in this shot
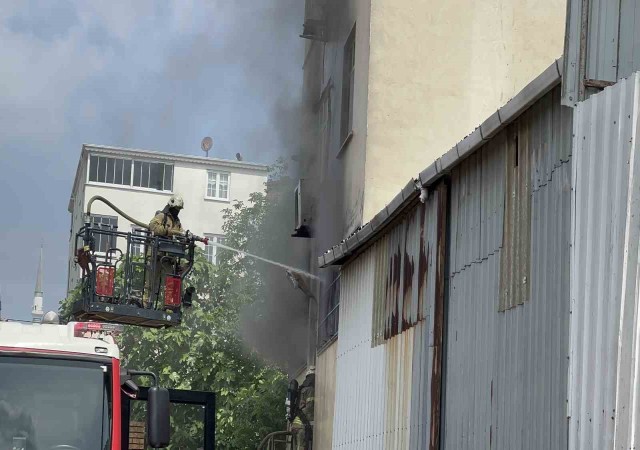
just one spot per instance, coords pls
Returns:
(144, 74)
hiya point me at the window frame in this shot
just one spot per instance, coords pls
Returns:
(329, 310)
(325, 127)
(213, 237)
(348, 88)
(217, 185)
(134, 230)
(132, 163)
(114, 244)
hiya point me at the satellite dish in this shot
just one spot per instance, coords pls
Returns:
(206, 145)
(238, 156)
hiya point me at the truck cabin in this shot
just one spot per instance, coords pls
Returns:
(60, 388)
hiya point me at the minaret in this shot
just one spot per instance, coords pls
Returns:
(36, 312)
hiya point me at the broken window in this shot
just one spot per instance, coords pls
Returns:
(516, 236)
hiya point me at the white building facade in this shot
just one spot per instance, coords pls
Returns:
(140, 183)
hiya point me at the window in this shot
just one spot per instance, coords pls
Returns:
(104, 242)
(325, 131)
(137, 242)
(516, 236)
(218, 185)
(49, 402)
(329, 308)
(153, 175)
(348, 80)
(211, 251)
(103, 169)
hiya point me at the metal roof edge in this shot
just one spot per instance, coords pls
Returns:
(510, 111)
(363, 235)
(107, 149)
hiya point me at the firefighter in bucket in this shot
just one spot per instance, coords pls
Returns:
(166, 223)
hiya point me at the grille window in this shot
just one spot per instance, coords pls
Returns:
(104, 242)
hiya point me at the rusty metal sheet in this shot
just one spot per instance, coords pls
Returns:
(398, 285)
(405, 271)
(516, 242)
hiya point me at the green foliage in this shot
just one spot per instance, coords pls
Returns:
(206, 353)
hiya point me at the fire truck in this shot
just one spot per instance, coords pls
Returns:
(61, 388)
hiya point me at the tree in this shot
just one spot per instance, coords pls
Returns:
(206, 352)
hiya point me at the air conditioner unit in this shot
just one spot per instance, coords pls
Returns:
(302, 213)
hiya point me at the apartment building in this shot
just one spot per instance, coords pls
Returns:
(390, 87)
(141, 181)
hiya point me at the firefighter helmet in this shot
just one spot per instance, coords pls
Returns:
(176, 202)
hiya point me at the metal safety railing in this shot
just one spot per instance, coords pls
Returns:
(134, 277)
(328, 326)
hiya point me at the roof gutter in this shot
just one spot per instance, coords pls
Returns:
(362, 238)
(171, 157)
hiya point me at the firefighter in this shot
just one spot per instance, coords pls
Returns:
(303, 423)
(165, 223)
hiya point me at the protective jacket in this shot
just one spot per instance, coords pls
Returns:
(302, 425)
(165, 224)
(307, 392)
(306, 402)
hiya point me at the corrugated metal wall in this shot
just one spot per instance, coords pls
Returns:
(359, 408)
(389, 350)
(611, 43)
(505, 372)
(604, 374)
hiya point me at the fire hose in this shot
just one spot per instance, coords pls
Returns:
(187, 234)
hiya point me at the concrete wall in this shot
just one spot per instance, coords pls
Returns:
(353, 155)
(325, 397)
(334, 172)
(337, 171)
(437, 69)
